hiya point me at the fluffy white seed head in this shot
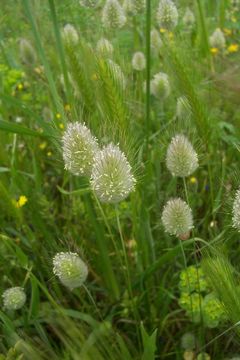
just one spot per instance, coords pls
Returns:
(14, 298)
(138, 61)
(27, 52)
(134, 6)
(79, 148)
(217, 39)
(89, 3)
(177, 217)
(182, 159)
(70, 269)
(188, 18)
(70, 35)
(156, 42)
(113, 15)
(167, 14)
(104, 48)
(236, 211)
(112, 178)
(160, 86)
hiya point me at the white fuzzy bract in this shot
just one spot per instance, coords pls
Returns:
(14, 298)
(104, 47)
(236, 211)
(113, 15)
(27, 52)
(182, 159)
(112, 178)
(177, 217)
(138, 61)
(70, 269)
(70, 35)
(167, 14)
(217, 39)
(79, 148)
(159, 86)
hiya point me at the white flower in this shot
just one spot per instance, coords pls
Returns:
(134, 6)
(160, 86)
(79, 148)
(138, 61)
(27, 52)
(14, 298)
(113, 15)
(112, 178)
(156, 42)
(182, 159)
(70, 34)
(188, 18)
(70, 269)
(167, 14)
(217, 39)
(177, 217)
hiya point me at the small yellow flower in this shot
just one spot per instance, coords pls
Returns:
(162, 30)
(233, 19)
(61, 126)
(193, 180)
(20, 87)
(43, 145)
(49, 153)
(214, 51)
(170, 35)
(21, 201)
(227, 32)
(58, 116)
(232, 48)
(67, 107)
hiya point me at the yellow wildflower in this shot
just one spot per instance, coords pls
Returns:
(232, 48)
(170, 35)
(233, 19)
(61, 126)
(162, 30)
(21, 201)
(193, 180)
(67, 107)
(58, 116)
(43, 145)
(20, 86)
(49, 153)
(214, 51)
(227, 32)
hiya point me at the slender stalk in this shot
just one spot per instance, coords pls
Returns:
(148, 66)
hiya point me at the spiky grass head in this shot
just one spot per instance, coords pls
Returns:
(177, 217)
(70, 269)
(236, 211)
(112, 178)
(117, 74)
(104, 48)
(160, 86)
(79, 148)
(70, 35)
(217, 39)
(113, 15)
(14, 298)
(167, 14)
(27, 52)
(182, 159)
(138, 61)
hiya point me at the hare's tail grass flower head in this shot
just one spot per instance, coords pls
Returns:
(104, 48)
(113, 15)
(160, 86)
(117, 74)
(27, 52)
(138, 61)
(79, 148)
(70, 35)
(14, 298)
(112, 179)
(167, 14)
(134, 7)
(177, 218)
(70, 269)
(89, 3)
(188, 18)
(156, 41)
(236, 211)
(217, 39)
(181, 159)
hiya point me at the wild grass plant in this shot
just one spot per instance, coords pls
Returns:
(119, 179)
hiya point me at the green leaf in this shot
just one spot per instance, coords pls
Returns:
(149, 344)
